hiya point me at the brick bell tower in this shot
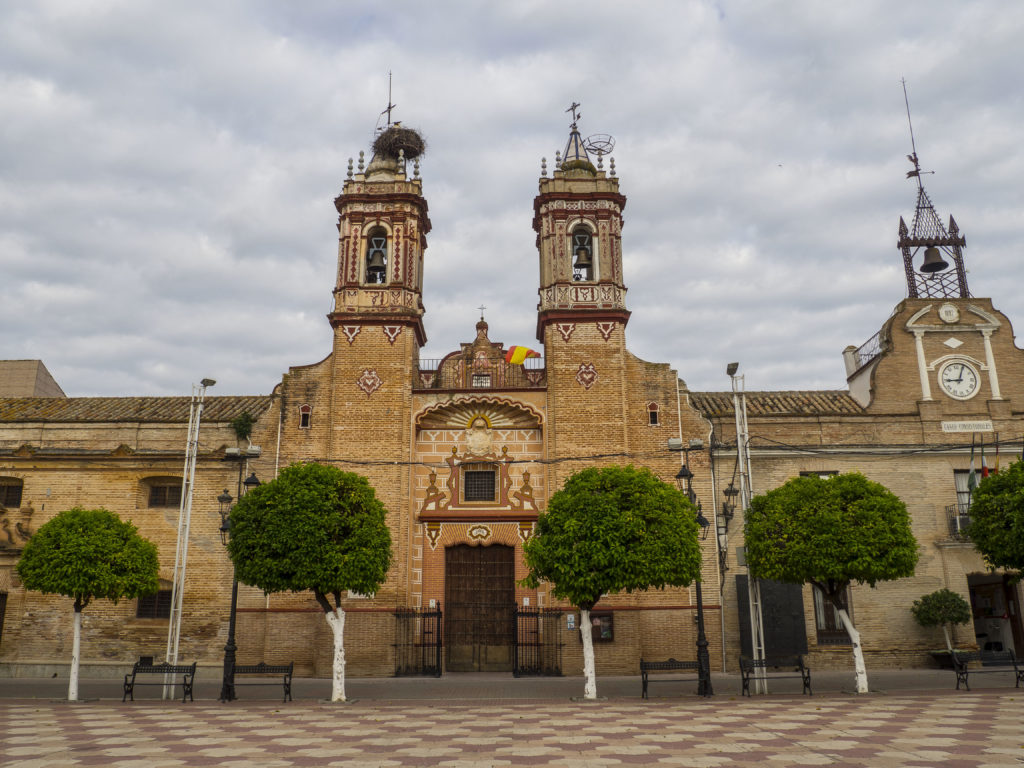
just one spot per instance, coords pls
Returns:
(582, 312)
(378, 306)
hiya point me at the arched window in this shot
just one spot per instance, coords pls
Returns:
(582, 254)
(377, 255)
(652, 414)
(305, 415)
(10, 492)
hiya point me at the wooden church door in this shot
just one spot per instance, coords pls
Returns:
(479, 587)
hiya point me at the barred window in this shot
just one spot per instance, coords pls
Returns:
(156, 606)
(10, 492)
(479, 483)
(305, 416)
(829, 626)
(165, 495)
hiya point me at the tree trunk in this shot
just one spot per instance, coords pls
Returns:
(336, 621)
(76, 649)
(860, 671)
(949, 642)
(589, 674)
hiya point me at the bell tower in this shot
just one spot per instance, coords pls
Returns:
(582, 313)
(382, 228)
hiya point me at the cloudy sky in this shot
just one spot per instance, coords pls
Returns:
(167, 172)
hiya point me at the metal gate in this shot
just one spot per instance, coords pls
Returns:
(479, 585)
(418, 642)
(538, 641)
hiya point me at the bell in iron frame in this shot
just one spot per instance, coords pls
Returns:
(933, 261)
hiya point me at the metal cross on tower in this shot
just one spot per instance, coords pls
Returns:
(572, 108)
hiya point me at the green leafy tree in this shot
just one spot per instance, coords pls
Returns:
(997, 519)
(830, 533)
(313, 527)
(88, 554)
(942, 608)
(610, 530)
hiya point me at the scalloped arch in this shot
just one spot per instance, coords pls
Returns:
(499, 412)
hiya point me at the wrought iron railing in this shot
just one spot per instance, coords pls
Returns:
(480, 374)
(868, 351)
(418, 642)
(537, 643)
(959, 520)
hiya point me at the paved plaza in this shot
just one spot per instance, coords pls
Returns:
(493, 725)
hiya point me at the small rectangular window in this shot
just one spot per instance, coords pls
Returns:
(156, 606)
(479, 483)
(829, 626)
(305, 415)
(481, 379)
(10, 494)
(653, 415)
(165, 495)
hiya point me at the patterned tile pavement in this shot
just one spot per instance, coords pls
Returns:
(981, 729)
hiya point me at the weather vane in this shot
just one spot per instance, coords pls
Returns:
(390, 105)
(575, 105)
(912, 157)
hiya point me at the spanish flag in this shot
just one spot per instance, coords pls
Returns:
(518, 355)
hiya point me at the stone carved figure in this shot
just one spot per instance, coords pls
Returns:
(478, 437)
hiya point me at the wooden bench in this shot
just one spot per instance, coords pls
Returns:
(285, 670)
(665, 666)
(144, 667)
(992, 662)
(775, 668)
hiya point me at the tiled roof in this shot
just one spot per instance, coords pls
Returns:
(151, 409)
(794, 403)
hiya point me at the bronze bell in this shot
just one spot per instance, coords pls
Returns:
(375, 267)
(583, 260)
(933, 261)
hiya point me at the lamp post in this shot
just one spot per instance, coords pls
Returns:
(685, 476)
(227, 689)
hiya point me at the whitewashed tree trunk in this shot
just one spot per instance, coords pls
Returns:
(949, 642)
(860, 671)
(589, 673)
(76, 650)
(336, 621)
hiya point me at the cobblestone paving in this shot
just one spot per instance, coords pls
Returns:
(967, 730)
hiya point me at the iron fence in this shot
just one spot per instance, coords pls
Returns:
(487, 374)
(537, 642)
(418, 642)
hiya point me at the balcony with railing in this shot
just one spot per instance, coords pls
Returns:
(958, 519)
(455, 372)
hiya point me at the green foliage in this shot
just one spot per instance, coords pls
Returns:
(243, 424)
(610, 530)
(997, 519)
(941, 607)
(830, 533)
(312, 527)
(89, 553)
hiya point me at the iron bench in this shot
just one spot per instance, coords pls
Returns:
(776, 668)
(991, 663)
(665, 666)
(187, 671)
(285, 670)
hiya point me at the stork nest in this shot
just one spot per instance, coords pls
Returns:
(396, 138)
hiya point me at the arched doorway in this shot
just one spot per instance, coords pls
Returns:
(479, 588)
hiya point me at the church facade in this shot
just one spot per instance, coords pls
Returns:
(464, 451)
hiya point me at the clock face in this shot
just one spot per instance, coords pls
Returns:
(959, 379)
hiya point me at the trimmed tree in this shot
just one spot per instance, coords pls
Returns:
(313, 527)
(830, 533)
(942, 608)
(997, 519)
(88, 554)
(610, 530)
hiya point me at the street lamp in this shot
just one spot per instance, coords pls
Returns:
(685, 476)
(227, 689)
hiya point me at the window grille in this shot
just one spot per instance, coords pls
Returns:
(156, 606)
(10, 492)
(479, 483)
(165, 495)
(829, 626)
